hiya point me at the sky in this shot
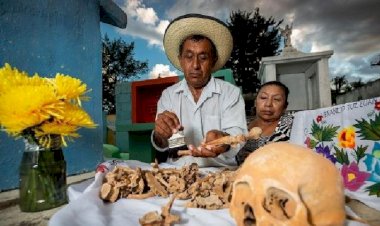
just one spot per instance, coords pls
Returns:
(351, 28)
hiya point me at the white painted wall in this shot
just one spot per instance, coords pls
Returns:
(298, 93)
(370, 90)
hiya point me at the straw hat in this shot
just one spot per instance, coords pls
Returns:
(196, 24)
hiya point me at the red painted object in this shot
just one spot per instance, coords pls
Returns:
(145, 95)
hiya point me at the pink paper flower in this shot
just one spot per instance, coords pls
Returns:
(353, 178)
(319, 118)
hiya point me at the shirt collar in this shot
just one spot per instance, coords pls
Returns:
(211, 87)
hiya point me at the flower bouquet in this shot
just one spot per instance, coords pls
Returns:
(47, 113)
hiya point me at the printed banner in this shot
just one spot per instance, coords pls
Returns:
(349, 136)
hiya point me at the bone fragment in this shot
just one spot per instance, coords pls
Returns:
(229, 140)
(184, 152)
(253, 134)
(164, 219)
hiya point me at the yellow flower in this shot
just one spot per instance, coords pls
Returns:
(346, 137)
(69, 88)
(72, 119)
(44, 132)
(42, 108)
(57, 128)
(10, 78)
(27, 106)
(75, 115)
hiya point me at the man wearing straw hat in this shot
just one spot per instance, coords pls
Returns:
(204, 107)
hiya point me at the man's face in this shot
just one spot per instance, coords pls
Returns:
(196, 62)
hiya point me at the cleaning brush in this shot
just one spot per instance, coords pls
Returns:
(177, 140)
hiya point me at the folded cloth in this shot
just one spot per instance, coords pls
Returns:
(86, 208)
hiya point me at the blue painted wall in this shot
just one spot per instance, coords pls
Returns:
(50, 36)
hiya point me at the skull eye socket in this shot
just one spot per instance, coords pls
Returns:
(279, 204)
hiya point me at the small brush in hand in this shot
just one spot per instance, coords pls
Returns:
(176, 143)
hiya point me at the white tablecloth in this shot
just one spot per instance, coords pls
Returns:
(86, 208)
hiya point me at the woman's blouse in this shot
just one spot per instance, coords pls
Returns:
(281, 133)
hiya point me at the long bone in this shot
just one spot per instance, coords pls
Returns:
(253, 134)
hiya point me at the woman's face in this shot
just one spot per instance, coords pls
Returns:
(270, 103)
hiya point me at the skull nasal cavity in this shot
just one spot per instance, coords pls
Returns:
(249, 217)
(279, 204)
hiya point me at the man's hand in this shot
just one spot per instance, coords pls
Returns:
(165, 125)
(210, 150)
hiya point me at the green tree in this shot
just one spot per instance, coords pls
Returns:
(376, 61)
(118, 65)
(357, 84)
(254, 37)
(339, 86)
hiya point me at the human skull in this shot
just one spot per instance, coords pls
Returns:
(287, 184)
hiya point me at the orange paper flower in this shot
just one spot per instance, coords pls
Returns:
(346, 137)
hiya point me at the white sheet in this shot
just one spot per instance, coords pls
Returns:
(86, 208)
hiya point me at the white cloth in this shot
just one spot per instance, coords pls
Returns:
(348, 135)
(220, 106)
(86, 208)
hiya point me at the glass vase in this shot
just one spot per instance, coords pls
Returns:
(42, 178)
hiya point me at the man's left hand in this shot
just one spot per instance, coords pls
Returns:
(207, 151)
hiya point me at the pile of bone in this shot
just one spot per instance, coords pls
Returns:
(212, 191)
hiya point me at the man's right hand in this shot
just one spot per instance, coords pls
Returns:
(166, 124)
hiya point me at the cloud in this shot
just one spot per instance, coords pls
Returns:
(355, 68)
(350, 28)
(340, 22)
(161, 27)
(161, 70)
(143, 22)
(146, 15)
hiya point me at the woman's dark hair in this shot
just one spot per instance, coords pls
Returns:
(279, 84)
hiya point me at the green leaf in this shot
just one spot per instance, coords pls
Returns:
(323, 133)
(316, 131)
(374, 189)
(329, 132)
(360, 152)
(341, 156)
(369, 130)
(313, 143)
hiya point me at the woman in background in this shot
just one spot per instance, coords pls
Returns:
(270, 107)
